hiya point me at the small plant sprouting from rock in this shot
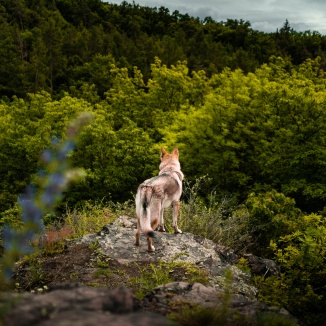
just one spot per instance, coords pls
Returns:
(41, 198)
(243, 264)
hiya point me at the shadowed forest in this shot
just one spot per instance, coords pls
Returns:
(245, 108)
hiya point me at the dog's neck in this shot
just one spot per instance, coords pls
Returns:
(170, 171)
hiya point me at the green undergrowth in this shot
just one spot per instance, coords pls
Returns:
(160, 273)
(243, 264)
(268, 225)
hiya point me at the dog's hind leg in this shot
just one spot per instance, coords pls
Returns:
(151, 248)
(155, 208)
(176, 206)
(137, 243)
(161, 227)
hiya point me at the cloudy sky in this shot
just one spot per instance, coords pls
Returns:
(264, 15)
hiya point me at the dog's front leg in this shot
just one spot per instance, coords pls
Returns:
(176, 206)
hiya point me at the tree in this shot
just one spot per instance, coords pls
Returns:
(294, 157)
(53, 35)
(95, 72)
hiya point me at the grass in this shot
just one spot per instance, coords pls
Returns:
(34, 275)
(90, 217)
(217, 219)
(243, 264)
(150, 278)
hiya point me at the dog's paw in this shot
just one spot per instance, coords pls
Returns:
(161, 229)
(177, 231)
(152, 249)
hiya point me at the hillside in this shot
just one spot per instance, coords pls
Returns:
(186, 271)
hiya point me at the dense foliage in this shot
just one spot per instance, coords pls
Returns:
(245, 108)
(248, 132)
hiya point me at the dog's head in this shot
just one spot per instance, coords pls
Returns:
(169, 161)
(165, 155)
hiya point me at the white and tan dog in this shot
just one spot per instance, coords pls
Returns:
(157, 193)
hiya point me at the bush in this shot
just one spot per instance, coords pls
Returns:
(272, 215)
(302, 257)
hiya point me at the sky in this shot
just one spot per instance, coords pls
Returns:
(263, 15)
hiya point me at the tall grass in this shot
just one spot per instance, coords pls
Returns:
(91, 217)
(216, 218)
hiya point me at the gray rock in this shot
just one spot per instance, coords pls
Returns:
(164, 298)
(262, 266)
(79, 305)
(117, 241)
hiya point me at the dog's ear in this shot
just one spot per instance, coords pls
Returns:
(163, 152)
(175, 152)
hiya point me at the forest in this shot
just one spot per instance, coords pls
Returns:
(245, 108)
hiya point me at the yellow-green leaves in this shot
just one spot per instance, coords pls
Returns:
(257, 129)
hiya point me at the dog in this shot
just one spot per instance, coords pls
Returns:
(157, 193)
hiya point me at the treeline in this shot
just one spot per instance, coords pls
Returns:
(50, 45)
(246, 108)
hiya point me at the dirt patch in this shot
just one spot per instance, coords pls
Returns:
(78, 263)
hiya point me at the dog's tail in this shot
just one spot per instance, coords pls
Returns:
(145, 213)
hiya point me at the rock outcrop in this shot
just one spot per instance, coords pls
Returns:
(117, 241)
(82, 305)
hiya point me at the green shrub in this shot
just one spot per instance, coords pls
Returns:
(272, 215)
(302, 257)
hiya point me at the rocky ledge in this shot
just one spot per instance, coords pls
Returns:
(75, 304)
